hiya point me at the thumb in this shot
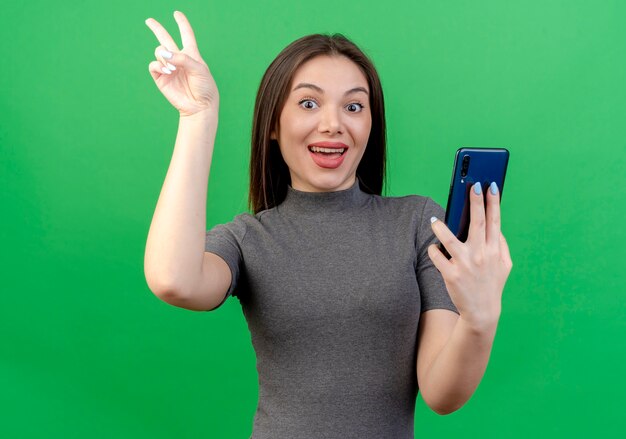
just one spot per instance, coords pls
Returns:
(440, 261)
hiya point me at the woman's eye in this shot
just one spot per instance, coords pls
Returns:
(355, 107)
(309, 104)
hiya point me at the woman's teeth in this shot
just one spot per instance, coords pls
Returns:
(327, 150)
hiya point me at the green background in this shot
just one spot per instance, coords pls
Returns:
(86, 138)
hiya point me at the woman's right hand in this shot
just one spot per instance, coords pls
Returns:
(190, 88)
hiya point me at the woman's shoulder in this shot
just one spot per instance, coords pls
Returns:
(413, 204)
(247, 220)
(410, 213)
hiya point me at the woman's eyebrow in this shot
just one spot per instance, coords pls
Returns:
(319, 90)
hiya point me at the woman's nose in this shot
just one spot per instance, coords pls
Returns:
(330, 121)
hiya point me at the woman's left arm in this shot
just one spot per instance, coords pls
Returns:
(453, 351)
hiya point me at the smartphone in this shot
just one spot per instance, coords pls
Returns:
(472, 165)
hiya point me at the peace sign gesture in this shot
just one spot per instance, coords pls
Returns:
(182, 75)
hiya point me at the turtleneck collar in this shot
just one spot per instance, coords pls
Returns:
(334, 201)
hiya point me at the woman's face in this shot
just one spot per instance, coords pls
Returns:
(327, 107)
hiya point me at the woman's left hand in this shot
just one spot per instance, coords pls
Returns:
(479, 267)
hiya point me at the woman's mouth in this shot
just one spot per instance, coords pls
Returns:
(327, 151)
(326, 157)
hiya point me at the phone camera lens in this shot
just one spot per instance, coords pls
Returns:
(465, 166)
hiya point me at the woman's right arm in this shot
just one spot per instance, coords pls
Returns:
(177, 268)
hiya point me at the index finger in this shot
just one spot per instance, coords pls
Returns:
(162, 35)
(186, 32)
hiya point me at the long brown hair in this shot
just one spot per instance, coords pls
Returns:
(269, 174)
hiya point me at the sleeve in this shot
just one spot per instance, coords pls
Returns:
(226, 241)
(434, 294)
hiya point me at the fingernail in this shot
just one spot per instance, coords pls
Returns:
(165, 70)
(493, 187)
(165, 54)
(171, 66)
(433, 219)
(477, 189)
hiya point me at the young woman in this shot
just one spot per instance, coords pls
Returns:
(350, 305)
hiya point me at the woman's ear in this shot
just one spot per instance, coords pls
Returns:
(273, 135)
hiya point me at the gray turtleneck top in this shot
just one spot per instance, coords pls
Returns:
(332, 285)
